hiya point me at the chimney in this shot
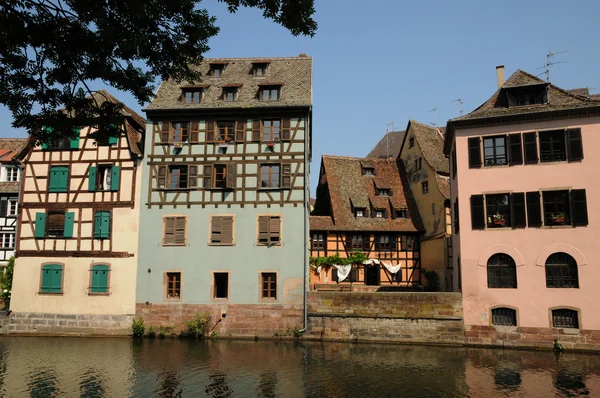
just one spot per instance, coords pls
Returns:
(500, 74)
(302, 55)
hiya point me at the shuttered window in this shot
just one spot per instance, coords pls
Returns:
(52, 275)
(534, 211)
(55, 224)
(474, 153)
(175, 231)
(58, 180)
(219, 176)
(519, 219)
(102, 225)
(221, 230)
(552, 146)
(494, 150)
(530, 148)
(271, 130)
(99, 278)
(269, 230)
(477, 212)
(269, 285)
(454, 165)
(177, 177)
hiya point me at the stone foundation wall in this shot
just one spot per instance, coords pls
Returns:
(237, 320)
(68, 324)
(537, 338)
(377, 316)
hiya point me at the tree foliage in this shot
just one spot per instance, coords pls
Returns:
(6, 280)
(53, 49)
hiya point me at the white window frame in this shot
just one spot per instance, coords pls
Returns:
(10, 236)
(11, 203)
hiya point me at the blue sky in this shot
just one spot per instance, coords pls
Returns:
(382, 61)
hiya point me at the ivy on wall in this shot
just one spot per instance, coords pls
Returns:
(355, 257)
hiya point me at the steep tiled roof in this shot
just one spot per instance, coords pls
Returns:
(443, 183)
(9, 187)
(558, 99)
(347, 187)
(389, 144)
(431, 141)
(9, 147)
(579, 91)
(294, 74)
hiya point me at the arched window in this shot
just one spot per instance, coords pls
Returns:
(502, 271)
(561, 271)
(504, 317)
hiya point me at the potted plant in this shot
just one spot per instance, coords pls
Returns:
(270, 144)
(558, 218)
(225, 142)
(177, 144)
(498, 219)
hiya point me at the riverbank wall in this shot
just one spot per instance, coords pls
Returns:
(44, 324)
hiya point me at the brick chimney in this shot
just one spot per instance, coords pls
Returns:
(500, 75)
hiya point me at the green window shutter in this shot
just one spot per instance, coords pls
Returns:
(44, 145)
(46, 279)
(102, 225)
(97, 224)
(69, 222)
(40, 225)
(114, 180)
(64, 179)
(56, 279)
(112, 140)
(99, 279)
(92, 179)
(52, 278)
(59, 179)
(53, 180)
(75, 142)
(105, 224)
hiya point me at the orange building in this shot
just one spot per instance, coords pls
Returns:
(365, 205)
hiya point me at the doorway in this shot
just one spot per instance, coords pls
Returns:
(372, 275)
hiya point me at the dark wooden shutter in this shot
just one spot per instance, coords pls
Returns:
(515, 154)
(3, 207)
(240, 130)
(169, 232)
(574, 145)
(207, 176)
(477, 213)
(193, 177)
(230, 183)
(474, 152)
(216, 233)
(286, 177)
(161, 177)
(194, 131)
(519, 219)
(579, 215)
(164, 133)
(393, 242)
(256, 130)
(367, 242)
(275, 229)
(373, 213)
(454, 165)
(210, 131)
(227, 230)
(377, 242)
(456, 218)
(534, 212)
(530, 146)
(263, 229)
(180, 226)
(286, 129)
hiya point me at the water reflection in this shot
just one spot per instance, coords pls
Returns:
(66, 367)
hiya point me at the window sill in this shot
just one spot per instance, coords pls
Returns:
(61, 191)
(218, 189)
(174, 189)
(221, 244)
(569, 226)
(269, 300)
(172, 299)
(270, 188)
(220, 299)
(98, 294)
(51, 294)
(269, 244)
(175, 245)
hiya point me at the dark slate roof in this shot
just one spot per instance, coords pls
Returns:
(390, 143)
(293, 73)
(579, 91)
(431, 141)
(347, 187)
(558, 99)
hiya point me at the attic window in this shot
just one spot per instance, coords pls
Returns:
(368, 171)
(259, 69)
(402, 213)
(269, 93)
(216, 70)
(191, 96)
(379, 213)
(384, 192)
(230, 94)
(360, 212)
(527, 95)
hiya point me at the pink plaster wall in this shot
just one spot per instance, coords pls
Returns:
(530, 246)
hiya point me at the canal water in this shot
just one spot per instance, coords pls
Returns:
(99, 367)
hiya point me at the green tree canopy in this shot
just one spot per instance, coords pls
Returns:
(50, 51)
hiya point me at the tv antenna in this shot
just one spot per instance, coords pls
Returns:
(434, 110)
(460, 101)
(549, 63)
(389, 127)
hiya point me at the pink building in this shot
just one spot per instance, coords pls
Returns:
(525, 188)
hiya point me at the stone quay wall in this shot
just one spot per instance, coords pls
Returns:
(235, 320)
(413, 317)
(33, 323)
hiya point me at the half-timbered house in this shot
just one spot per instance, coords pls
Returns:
(225, 218)
(77, 244)
(365, 205)
(10, 176)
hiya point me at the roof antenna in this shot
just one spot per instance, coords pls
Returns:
(460, 101)
(435, 111)
(389, 127)
(549, 63)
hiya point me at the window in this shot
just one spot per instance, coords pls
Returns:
(174, 231)
(177, 177)
(219, 176)
(191, 96)
(221, 230)
(221, 285)
(55, 224)
(269, 285)
(561, 271)
(384, 192)
(104, 178)
(498, 210)
(216, 70)
(12, 174)
(504, 317)
(55, 227)
(52, 276)
(502, 271)
(173, 285)
(318, 241)
(411, 142)
(269, 93)
(12, 209)
(352, 277)
(58, 180)
(99, 279)
(425, 187)
(180, 132)
(269, 230)
(368, 171)
(271, 130)
(565, 318)
(410, 243)
(418, 163)
(385, 242)
(259, 69)
(357, 242)
(230, 94)
(7, 240)
(494, 151)
(360, 212)
(552, 146)
(402, 213)
(556, 207)
(270, 176)
(102, 225)
(474, 152)
(523, 96)
(226, 131)
(379, 213)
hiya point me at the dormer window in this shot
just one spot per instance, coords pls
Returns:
(368, 171)
(379, 213)
(191, 96)
(216, 69)
(536, 94)
(402, 213)
(269, 92)
(259, 69)
(384, 192)
(230, 93)
(360, 212)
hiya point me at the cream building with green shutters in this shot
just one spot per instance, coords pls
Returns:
(77, 242)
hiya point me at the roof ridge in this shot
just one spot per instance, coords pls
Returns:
(353, 158)
(259, 58)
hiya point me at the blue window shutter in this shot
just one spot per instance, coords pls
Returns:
(114, 180)
(92, 179)
(69, 222)
(112, 140)
(40, 225)
(99, 279)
